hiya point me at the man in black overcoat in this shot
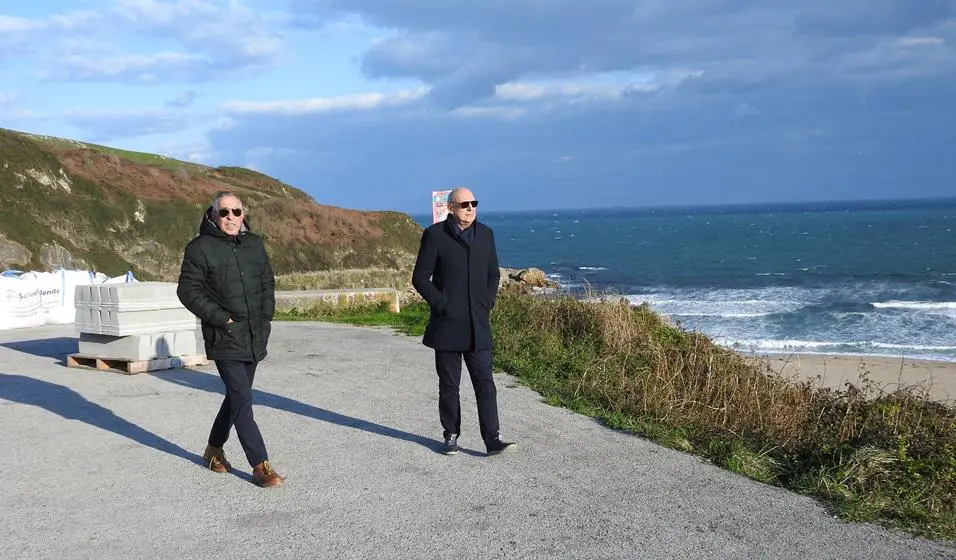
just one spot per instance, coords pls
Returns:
(456, 272)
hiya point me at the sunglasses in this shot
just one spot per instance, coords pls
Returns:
(223, 212)
(467, 203)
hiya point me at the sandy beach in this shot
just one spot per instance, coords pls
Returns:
(938, 378)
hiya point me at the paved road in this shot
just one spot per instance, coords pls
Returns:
(102, 465)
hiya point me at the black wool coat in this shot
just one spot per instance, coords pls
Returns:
(460, 284)
(225, 277)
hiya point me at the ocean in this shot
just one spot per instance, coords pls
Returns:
(861, 278)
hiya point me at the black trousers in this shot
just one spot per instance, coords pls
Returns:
(448, 365)
(236, 410)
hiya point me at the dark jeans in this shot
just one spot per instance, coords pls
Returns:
(448, 365)
(236, 410)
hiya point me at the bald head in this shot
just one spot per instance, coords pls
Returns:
(463, 206)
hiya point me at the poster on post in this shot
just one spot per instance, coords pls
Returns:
(439, 205)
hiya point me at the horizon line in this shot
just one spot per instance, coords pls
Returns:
(671, 207)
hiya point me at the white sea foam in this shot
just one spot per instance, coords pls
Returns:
(724, 303)
(835, 319)
(818, 345)
(924, 305)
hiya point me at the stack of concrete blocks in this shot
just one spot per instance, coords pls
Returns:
(137, 321)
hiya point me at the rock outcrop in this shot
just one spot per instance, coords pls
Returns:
(525, 279)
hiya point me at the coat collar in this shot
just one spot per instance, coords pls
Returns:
(452, 229)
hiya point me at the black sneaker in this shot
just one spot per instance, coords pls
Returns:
(450, 447)
(496, 446)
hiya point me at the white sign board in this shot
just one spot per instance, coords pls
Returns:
(439, 205)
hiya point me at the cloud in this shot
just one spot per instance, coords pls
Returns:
(226, 32)
(556, 104)
(13, 114)
(920, 41)
(18, 35)
(192, 151)
(93, 62)
(466, 49)
(586, 144)
(184, 99)
(866, 17)
(11, 27)
(618, 102)
(210, 39)
(104, 125)
(325, 104)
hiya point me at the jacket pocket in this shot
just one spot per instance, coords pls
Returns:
(233, 336)
(441, 305)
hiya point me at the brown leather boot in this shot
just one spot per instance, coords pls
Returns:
(215, 459)
(264, 476)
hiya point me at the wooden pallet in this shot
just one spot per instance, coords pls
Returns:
(131, 367)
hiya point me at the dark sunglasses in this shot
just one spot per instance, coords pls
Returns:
(467, 203)
(223, 212)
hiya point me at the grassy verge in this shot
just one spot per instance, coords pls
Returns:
(885, 457)
(410, 321)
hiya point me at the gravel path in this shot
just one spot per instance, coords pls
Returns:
(103, 465)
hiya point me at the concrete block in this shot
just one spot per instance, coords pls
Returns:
(84, 317)
(137, 292)
(135, 347)
(148, 328)
(83, 295)
(132, 309)
(110, 317)
(163, 344)
(128, 297)
(186, 343)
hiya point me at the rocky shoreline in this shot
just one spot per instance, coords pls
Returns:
(527, 280)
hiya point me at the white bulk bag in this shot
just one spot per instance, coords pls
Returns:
(20, 303)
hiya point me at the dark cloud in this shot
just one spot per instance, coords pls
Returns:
(464, 49)
(873, 17)
(634, 151)
(716, 101)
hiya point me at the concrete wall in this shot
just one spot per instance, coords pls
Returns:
(305, 299)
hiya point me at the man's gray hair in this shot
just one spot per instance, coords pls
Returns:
(221, 195)
(453, 195)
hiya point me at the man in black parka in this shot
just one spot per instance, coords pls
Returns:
(227, 281)
(456, 272)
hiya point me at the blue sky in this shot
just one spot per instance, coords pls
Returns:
(373, 104)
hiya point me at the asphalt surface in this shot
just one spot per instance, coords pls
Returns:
(104, 465)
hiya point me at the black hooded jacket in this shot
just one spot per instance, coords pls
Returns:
(225, 277)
